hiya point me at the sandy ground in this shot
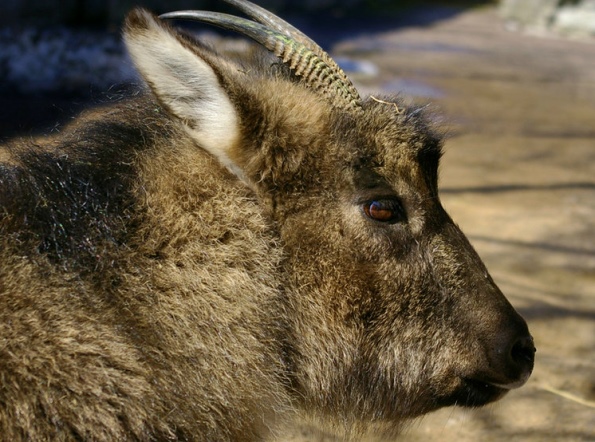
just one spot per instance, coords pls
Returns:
(519, 177)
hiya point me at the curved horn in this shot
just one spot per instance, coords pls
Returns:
(304, 61)
(272, 21)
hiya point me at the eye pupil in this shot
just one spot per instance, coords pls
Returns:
(383, 210)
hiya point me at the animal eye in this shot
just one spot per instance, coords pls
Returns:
(384, 210)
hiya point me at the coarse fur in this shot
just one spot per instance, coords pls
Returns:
(198, 262)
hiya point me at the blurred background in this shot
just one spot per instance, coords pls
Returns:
(70, 50)
(512, 83)
(557, 13)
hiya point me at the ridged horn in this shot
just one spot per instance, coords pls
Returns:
(314, 66)
(272, 21)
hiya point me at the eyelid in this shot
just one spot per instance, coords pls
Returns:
(366, 197)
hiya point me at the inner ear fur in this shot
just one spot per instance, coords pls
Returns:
(262, 126)
(186, 79)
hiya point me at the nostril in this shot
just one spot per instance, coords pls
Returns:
(523, 351)
(509, 364)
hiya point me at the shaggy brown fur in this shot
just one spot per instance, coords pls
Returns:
(205, 260)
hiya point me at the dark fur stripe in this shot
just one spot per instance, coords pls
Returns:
(73, 201)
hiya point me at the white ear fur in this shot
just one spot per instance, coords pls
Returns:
(185, 83)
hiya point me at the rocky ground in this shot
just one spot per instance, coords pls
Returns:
(518, 176)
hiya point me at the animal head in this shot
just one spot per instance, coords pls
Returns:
(392, 312)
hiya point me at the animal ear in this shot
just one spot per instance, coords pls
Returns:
(186, 81)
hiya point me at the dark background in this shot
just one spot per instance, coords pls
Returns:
(59, 56)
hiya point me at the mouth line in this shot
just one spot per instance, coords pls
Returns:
(477, 384)
(473, 393)
(476, 393)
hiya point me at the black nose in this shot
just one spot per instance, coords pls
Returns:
(510, 355)
(513, 359)
(522, 352)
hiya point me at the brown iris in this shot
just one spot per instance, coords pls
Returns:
(384, 210)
